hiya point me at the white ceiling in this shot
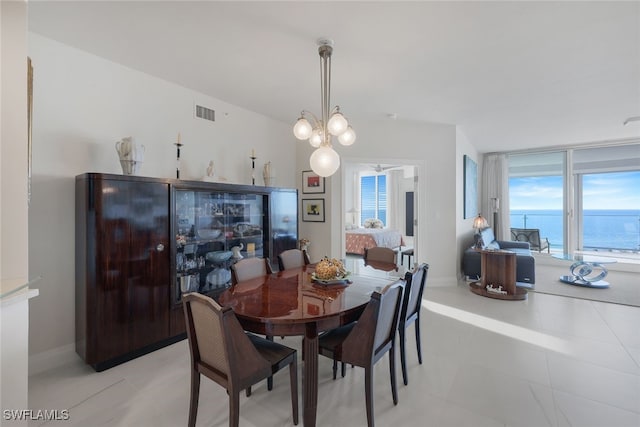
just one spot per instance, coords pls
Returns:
(512, 75)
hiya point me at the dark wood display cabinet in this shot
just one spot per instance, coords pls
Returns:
(142, 242)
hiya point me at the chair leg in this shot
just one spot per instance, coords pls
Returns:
(293, 377)
(195, 394)
(368, 392)
(249, 391)
(234, 408)
(270, 379)
(335, 368)
(418, 346)
(344, 369)
(392, 374)
(403, 355)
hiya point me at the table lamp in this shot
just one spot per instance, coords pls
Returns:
(479, 223)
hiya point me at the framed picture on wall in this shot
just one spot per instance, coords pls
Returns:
(313, 210)
(470, 188)
(312, 183)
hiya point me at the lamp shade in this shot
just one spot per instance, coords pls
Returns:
(337, 124)
(324, 161)
(347, 137)
(302, 129)
(480, 222)
(316, 138)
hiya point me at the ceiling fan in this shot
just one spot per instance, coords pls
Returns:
(379, 168)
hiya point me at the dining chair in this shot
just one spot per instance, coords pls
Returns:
(380, 258)
(247, 269)
(293, 258)
(250, 268)
(410, 312)
(224, 353)
(364, 342)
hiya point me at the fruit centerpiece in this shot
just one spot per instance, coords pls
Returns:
(330, 270)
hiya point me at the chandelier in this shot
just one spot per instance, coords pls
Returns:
(324, 161)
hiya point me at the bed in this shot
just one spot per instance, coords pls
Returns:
(359, 239)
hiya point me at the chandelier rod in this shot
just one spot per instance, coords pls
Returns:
(325, 51)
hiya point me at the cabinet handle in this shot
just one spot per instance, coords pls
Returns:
(160, 247)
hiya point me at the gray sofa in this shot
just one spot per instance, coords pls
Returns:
(525, 263)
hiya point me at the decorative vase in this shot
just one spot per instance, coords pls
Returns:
(266, 174)
(131, 155)
(236, 251)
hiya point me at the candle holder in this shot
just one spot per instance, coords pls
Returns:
(253, 169)
(178, 145)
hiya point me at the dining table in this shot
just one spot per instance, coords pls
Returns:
(292, 303)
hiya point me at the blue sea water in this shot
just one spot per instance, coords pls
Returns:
(612, 229)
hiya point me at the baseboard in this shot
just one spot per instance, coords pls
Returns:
(51, 359)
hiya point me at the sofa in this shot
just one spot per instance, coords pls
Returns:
(525, 263)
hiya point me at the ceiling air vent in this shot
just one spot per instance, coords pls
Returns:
(205, 113)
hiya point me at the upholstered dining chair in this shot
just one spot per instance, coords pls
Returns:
(250, 268)
(224, 353)
(410, 312)
(247, 269)
(293, 258)
(364, 342)
(381, 258)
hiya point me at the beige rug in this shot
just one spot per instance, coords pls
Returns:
(624, 286)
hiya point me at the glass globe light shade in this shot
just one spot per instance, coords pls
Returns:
(302, 129)
(316, 138)
(325, 161)
(347, 137)
(337, 124)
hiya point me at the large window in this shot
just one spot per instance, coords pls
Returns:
(588, 202)
(373, 198)
(536, 194)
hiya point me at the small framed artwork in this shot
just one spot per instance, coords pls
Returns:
(313, 210)
(312, 183)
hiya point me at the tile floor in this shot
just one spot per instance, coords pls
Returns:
(547, 361)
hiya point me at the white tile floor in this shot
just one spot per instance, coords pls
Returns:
(546, 361)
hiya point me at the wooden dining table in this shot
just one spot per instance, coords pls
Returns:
(291, 303)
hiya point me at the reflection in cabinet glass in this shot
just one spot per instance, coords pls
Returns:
(214, 230)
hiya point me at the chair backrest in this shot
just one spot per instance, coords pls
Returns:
(293, 258)
(381, 258)
(531, 235)
(413, 291)
(250, 268)
(218, 343)
(375, 331)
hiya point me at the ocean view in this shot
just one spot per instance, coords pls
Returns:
(610, 229)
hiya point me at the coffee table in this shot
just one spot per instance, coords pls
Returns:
(586, 270)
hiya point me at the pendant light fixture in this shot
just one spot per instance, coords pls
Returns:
(324, 161)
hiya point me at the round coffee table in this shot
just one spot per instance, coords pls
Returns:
(586, 270)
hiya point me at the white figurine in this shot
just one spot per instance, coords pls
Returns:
(210, 169)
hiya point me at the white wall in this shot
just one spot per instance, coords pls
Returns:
(83, 104)
(432, 147)
(14, 266)
(464, 227)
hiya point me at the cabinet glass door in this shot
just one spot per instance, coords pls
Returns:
(214, 230)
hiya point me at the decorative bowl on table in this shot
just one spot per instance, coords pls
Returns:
(330, 272)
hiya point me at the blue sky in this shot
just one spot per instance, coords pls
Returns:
(619, 190)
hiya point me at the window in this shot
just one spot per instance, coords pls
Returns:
(373, 198)
(536, 194)
(588, 202)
